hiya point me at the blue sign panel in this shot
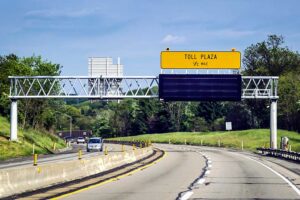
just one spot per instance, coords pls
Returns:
(200, 87)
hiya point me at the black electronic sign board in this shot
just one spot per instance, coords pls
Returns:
(200, 87)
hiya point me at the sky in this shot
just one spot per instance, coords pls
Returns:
(67, 32)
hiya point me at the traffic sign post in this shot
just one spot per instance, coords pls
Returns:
(228, 126)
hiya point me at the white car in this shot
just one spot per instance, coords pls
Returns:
(80, 140)
(94, 144)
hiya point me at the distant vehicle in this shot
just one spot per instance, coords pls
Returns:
(80, 140)
(94, 144)
(69, 139)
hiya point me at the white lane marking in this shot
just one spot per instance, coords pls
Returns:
(201, 181)
(278, 174)
(209, 166)
(209, 162)
(186, 195)
(207, 172)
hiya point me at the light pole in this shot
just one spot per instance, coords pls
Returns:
(70, 117)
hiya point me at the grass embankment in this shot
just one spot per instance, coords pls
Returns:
(231, 139)
(43, 142)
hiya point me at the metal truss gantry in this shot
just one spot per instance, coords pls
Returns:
(259, 87)
(106, 87)
(122, 87)
(103, 87)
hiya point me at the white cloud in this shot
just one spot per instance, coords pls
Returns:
(173, 39)
(60, 13)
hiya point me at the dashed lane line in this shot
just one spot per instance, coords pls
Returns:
(186, 195)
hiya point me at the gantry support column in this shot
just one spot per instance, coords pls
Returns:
(14, 120)
(273, 124)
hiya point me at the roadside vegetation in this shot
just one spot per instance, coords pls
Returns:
(251, 139)
(42, 141)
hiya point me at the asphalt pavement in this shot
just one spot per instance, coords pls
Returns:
(188, 172)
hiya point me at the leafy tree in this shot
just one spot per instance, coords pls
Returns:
(289, 88)
(259, 112)
(269, 58)
(210, 111)
(162, 120)
(239, 115)
(10, 65)
(198, 124)
(102, 125)
(176, 111)
(218, 124)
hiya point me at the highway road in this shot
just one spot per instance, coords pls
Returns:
(71, 155)
(188, 172)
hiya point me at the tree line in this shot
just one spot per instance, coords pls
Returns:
(132, 117)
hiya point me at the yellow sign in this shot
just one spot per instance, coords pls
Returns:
(200, 60)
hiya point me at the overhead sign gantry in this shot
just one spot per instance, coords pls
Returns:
(121, 87)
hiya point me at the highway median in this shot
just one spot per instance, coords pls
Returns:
(15, 181)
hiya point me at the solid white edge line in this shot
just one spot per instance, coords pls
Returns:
(186, 195)
(278, 174)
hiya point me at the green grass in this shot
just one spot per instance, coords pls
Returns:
(43, 142)
(252, 138)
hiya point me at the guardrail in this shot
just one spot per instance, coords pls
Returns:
(290, 155)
